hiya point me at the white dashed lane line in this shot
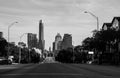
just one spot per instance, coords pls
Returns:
(50, 74)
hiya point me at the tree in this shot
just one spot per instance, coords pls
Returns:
(24, 55)
(102, 42)
(105, 37)
(80, 55)
(88, 43)
(65, 55)
(3, 49)
(35, 57)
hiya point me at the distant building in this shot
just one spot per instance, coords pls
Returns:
(41, 36)
(116, 23)
(32, 40)
(67, 41)
(22, 44)
(53, 46)
(58, 40)
(112, 47)
(1, 34)
(57, 43)
(116, 26)
(38, 46)
(50, 49)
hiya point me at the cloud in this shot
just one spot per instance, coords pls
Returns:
(40, 7)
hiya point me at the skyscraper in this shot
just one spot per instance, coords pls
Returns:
(67, 41)
(57, 44)
(41, 36)
(58, 40)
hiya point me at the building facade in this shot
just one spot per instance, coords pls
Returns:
(32, 40)
(67, 41)
(116, 23)
(57, 42)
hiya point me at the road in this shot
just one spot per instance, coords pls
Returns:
(57, 70)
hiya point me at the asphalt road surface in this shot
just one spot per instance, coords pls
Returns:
(49, 60)
(57, 70)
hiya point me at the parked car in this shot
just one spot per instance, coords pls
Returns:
(4, 61)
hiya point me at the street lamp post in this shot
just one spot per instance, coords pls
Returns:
(95, 18)
(20, 47)
(97, 26)
(9, 36)
(29, 55)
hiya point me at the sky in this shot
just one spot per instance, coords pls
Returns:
(59, 16)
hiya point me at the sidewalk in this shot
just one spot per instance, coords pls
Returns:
(8, 67)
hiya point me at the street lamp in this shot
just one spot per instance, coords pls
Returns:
(97, 27)
(9, 35)
(95, 18)
(20, 46)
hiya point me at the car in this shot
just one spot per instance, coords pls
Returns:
(5, 61)
(89, 62)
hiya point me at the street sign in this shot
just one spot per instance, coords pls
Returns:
(90, 52)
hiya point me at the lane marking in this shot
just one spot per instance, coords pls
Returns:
(108, 76)
(52, 74)
(8, 67)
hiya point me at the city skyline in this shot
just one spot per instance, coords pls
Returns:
(64, 16)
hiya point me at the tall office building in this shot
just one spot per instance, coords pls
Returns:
(57, 44)
(41, 36)
(32, 40)
(67, 41)
(58, 40)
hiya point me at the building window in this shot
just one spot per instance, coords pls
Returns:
(105, 27)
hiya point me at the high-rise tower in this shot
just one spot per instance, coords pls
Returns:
(41, 36)
(67, 41)
(57, 44)
(58, 40)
